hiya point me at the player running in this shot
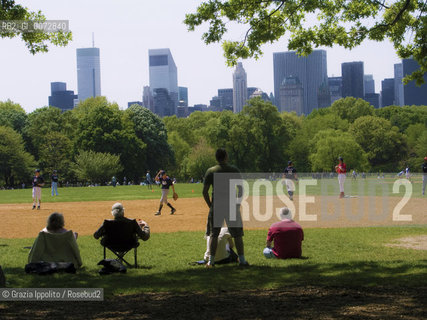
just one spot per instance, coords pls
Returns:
(165, 182)
(290, 175)
(38, 183)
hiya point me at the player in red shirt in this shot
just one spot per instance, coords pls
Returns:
(341, 169)
(287, 236)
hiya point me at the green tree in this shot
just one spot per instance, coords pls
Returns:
(34, 41)
(150, 129)
(56, 154)
(351, 108)
(403, 117)
(200, 158)
(382, 142)
(343, 23)
(12, 115)
(41, 123)
(97, 167)
(331, 144)
(180, 150)
(15, 162)
(102, 127)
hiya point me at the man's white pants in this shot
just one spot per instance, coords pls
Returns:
(341, 180)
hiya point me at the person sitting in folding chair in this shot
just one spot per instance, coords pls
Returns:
(121, 234)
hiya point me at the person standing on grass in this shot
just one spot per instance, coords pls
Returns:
(341, 169)
(54, 183)
(148, 180)
(287, 236)
(211, 230)
(166, 183)
(424, 168)
(290, 175)
(38, 183)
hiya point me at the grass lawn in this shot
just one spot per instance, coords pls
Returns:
(370, 186)
(350, 257)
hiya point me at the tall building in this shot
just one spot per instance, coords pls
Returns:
(226, 98)
(183, 96)
(147, 98)
(311, 72)
(369, 83)
(335, 88)
(240, 88)
(373, 99)
(387, 92)
(88, 73)
(398, 84)
(258, 93)
(292, 95)
(60, 97)
(163, 73)
(352, 79)
(163, 103)
(413, 94)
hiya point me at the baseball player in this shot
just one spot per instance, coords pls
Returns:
(165, 182)
(148, 180)
(290, 175)
(54, 182)
(341, 169)
(424, 167)
(38, 183)
(408, 173)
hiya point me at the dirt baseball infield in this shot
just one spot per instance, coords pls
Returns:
(19, 221)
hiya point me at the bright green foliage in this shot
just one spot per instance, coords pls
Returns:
(332, 144)
(343, 23)
(34, 41)
(150, 129)
(180, 149)
(402, 117)
(102, 127)
(12, 115)
(351, 108)
(383, 143)
(97, 167)
(15, 163)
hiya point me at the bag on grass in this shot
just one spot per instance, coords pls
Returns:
(111, 266)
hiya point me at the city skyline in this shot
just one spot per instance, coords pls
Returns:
(124, 37)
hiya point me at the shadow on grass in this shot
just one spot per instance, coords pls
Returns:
(360, 290)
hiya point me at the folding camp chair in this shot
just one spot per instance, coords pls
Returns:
(120, 238)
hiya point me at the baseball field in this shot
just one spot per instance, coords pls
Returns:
(359, 261)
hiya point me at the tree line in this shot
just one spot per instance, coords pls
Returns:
(97, 140)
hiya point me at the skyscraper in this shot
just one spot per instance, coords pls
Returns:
(183, 96)
(335, 88)
(413, 94)
(240, 88)
(311, 72)
(292, 95)
(88, 73)
(369, 83)
(352, 79)
(387, 92)
(147, 98)
(398, 84)
(163, 73)
(226, 98)
(61, 97)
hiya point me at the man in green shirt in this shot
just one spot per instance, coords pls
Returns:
(214, 230)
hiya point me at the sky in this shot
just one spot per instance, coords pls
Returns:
(124, 31)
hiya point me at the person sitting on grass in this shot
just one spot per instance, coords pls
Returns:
(139, 228)
(287, 236)
(55, 243)
(224, 252)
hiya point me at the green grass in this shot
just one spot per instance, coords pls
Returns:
(105, 193)
(335, 257)
(370, 186)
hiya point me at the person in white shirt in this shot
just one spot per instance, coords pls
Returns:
(224, 252)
